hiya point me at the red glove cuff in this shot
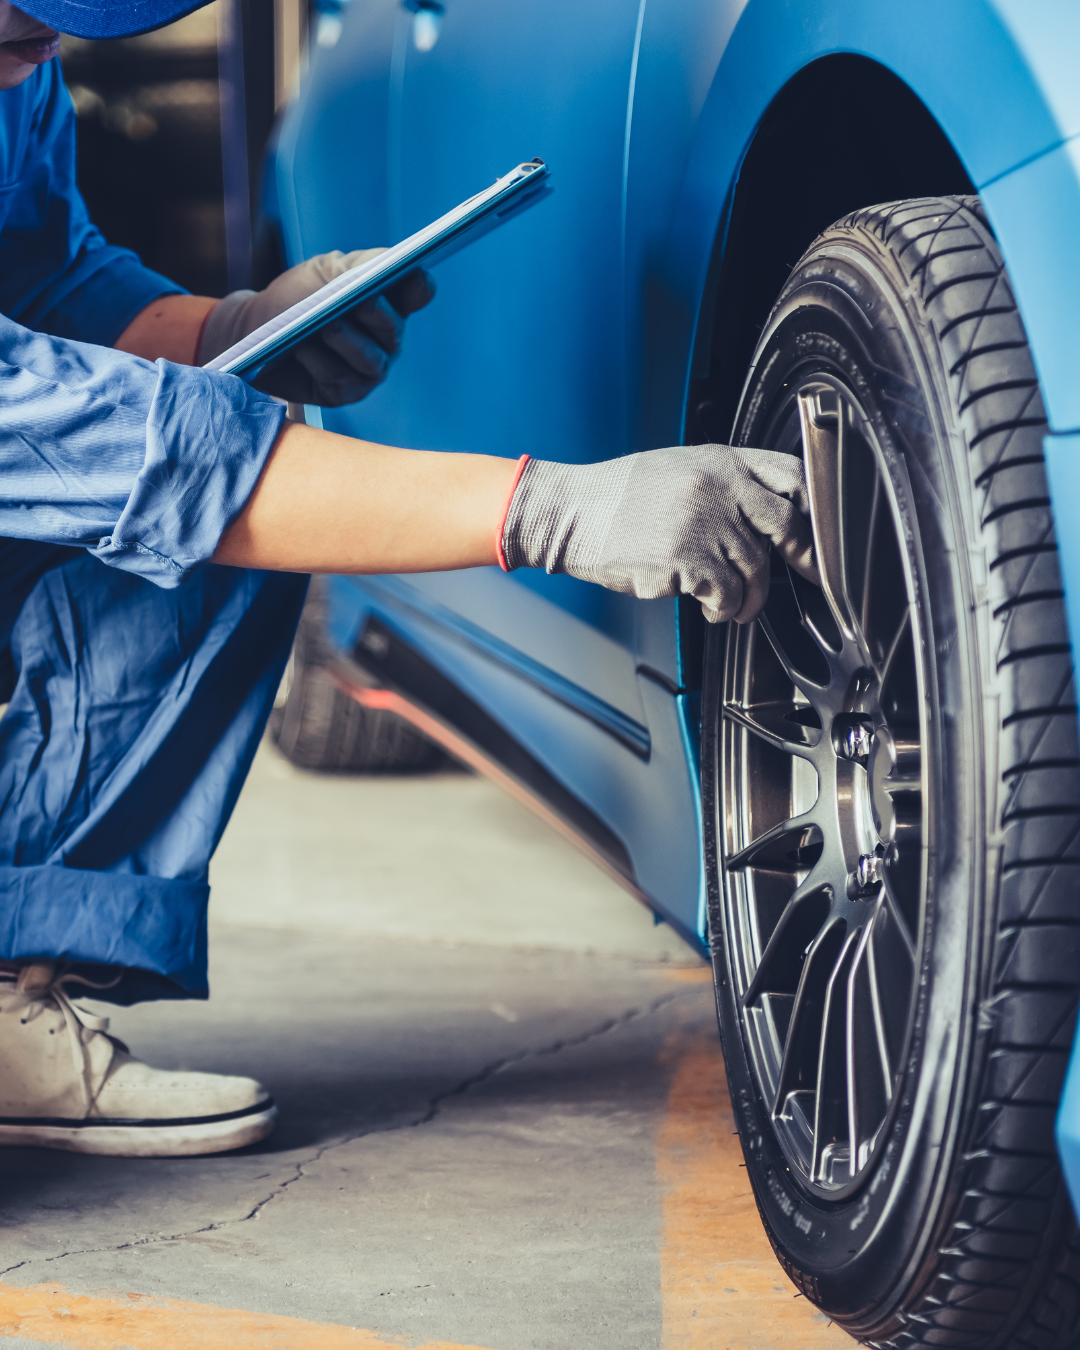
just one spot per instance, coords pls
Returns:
(506, 511)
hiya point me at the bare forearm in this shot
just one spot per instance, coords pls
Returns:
(328, 503)
(168, 327)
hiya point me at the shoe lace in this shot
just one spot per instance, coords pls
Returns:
(39, 988)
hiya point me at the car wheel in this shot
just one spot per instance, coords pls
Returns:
(316, 725)
(892, 803)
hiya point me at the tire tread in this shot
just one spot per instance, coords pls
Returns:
(1006, 1271)
(319, 727)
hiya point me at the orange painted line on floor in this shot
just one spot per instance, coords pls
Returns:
(48, 1313)
(700, 974)
(722, 1287)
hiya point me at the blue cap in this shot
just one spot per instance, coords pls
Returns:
(108, 18)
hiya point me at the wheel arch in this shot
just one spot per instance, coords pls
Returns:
(993, 77)
(782, 200)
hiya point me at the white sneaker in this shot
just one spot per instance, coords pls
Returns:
(65, 1083)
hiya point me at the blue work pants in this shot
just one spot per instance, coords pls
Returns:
(135, 712)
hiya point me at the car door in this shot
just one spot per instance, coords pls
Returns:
(330, 171)
(521, 352)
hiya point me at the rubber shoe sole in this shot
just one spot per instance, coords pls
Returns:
(182, 1138)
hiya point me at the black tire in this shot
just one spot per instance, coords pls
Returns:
(897, 977)
(316, 725)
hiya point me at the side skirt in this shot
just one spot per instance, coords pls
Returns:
(385, 672)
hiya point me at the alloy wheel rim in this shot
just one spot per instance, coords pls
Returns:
(824, 806)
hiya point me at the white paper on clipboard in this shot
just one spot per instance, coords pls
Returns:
(514, 192)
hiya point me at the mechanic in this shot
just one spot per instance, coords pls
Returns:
(157, 525)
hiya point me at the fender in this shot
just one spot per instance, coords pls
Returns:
(996, 77)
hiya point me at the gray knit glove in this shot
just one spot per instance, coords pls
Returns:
(341, 363)
(695, 520)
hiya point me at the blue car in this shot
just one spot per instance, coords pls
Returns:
(848, 230)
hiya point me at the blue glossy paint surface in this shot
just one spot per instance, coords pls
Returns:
(1068, 1129)
(570, 333)
(1063, 474)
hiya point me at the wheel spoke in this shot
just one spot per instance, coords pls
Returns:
(768, 730)
(896, 909)
(805, 685)
(822, 419)
(794, 825)
(779, 968)
(902, 875)
(877, 1010)
(850, 1057)
(868, 561)
(892, 961)
(869, 1083)
(798, 1068)
(886, 606)
(831, 1107)
(903, 634)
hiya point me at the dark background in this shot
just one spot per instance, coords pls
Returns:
(172, 128)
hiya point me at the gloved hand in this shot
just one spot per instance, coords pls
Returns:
(695, 520)
(345, 360)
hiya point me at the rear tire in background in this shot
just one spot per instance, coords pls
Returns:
(891, 777)
(316, 725)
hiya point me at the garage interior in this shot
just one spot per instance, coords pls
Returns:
(504, 1120)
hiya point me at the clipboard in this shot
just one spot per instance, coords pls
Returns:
(521, 188)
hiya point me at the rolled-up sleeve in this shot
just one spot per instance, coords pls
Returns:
(143, 464)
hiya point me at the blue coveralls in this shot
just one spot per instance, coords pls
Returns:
(139, 676)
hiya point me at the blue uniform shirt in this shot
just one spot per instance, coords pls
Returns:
(144, 464)
(57, 273)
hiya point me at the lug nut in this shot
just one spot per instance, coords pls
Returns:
(869, 872)
(856, 741)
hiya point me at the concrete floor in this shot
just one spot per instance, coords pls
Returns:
(504, 1122)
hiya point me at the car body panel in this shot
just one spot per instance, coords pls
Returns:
(671, 234)
(575, 332)
(614, 781)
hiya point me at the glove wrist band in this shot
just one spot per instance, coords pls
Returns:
(500, 532)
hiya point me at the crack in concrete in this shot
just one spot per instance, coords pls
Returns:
(489, 1071)
(433, 1109)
